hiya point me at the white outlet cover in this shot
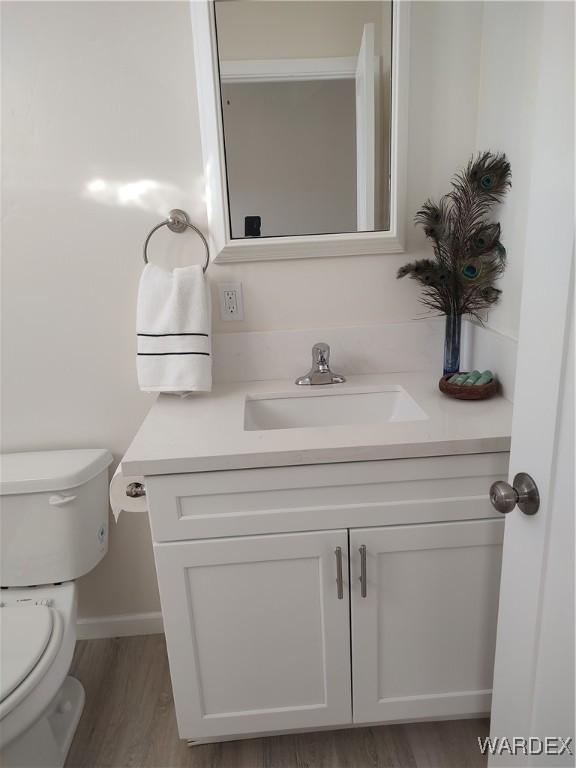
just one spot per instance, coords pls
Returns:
(225, 314)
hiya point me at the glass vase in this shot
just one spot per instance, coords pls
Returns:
(452, 344)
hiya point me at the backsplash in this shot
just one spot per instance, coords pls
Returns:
(410, 346)
(488, 348)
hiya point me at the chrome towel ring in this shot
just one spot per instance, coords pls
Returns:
(177, 221)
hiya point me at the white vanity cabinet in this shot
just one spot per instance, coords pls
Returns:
(305, 597)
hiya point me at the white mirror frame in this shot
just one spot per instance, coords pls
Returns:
(223, 247)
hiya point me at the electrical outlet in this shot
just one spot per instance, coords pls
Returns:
(231, 303)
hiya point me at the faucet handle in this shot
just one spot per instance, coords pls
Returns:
(321, 354)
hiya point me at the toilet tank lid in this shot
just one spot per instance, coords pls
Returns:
(37, 471)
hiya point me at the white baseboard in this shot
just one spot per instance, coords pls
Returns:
(122, 625)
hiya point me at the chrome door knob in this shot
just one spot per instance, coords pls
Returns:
(523, 492)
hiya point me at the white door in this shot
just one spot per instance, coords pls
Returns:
(366, 132)
(258, 632)
(424, 626)
(534, 670)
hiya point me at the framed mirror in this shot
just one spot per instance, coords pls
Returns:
(302, 108)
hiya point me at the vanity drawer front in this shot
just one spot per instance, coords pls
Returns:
(322, 496)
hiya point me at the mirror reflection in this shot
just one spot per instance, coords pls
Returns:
(305, 93)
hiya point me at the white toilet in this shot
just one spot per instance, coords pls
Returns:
(54, 529)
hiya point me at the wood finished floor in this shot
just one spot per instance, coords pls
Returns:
(129, 721)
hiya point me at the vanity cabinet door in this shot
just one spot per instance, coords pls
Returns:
(258, 637)
(423, 636)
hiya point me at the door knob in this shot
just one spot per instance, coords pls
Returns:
(523, 492)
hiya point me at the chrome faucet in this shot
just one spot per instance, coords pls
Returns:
(320, 372)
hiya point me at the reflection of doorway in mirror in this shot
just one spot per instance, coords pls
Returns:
(290, 156)
(306, 114)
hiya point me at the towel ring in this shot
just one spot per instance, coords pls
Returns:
(177, 221)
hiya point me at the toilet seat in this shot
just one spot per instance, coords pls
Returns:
(31, 639)
(25, 633)
(40, 705)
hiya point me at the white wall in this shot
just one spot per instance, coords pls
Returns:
(104, 92)
(505, 118)
(90, 90)
(509, 58)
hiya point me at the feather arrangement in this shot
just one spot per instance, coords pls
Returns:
(468, 254)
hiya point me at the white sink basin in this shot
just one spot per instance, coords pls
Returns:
(326, 406)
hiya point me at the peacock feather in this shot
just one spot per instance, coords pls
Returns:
(468, 254)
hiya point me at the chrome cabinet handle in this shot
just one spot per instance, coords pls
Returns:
(339, 579)
(362, 579)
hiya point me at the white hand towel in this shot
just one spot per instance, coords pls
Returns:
(173, 327)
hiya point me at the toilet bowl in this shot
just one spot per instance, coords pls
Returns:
(53, 521)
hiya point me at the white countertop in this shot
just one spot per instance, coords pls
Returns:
(205, 432)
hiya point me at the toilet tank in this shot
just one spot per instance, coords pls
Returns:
(53, 515)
